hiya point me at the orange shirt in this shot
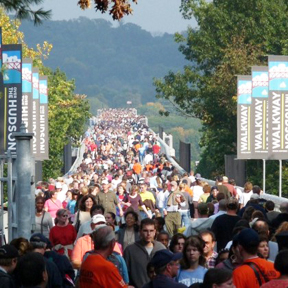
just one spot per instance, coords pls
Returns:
(244, 276)
(137, 146)
(85, 244)
(137, 168)
(97, 272)
(189, 191)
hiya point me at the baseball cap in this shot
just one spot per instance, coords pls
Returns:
(8, 252)
(105, 181)
(198, 176)
(163, 257)
(98, 218)
(38, 240)
(247, 237)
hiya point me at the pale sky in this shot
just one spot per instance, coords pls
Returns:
(156, 16)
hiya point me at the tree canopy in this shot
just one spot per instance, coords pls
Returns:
(68, 112)
(23, 9)
(231, 37)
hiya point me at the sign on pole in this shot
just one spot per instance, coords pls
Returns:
(244, 90)
(278, 107)
(259, 113)
(43, 121)
(35, 113)
(27, 101)
(12, 96)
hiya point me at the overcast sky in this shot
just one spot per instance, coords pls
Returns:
(156, 16)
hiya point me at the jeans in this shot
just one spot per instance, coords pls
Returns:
(143, 215)
(185, 218)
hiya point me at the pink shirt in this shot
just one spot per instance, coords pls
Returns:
(53, 206)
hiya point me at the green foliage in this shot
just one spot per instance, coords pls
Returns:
(68, 114)
(23, 10)
(231, 37)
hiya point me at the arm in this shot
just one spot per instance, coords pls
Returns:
(50, 221)
(145, 210)
(120, 209)
(76, 257)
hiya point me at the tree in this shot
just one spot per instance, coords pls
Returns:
(119, 8)
(23, 10)
(68, 112)
(231, 37)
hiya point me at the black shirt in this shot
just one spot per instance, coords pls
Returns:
(222, 227)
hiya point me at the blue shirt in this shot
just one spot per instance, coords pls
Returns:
(188, 277)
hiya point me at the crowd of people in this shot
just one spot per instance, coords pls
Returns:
(128, 218)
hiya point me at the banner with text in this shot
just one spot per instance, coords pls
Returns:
(35, 113)
(259, 113)
(43, 121)
(1, 100)
(278, 107)
(244, 91)
(12, 94)
(27, 101)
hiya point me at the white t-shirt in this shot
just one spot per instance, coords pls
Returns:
(245, 197)
(197, 192)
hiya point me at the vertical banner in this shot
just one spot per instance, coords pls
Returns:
(244, 99)
(27, 101)
(278, 107)
(43, 121)
(12, 80)
(2, 141)
(35, 113)
(259, 113)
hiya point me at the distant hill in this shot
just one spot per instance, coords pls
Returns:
(113, 64)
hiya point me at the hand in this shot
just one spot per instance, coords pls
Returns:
(128, 204)
(165, 213)
(121, 213)
(178, 199)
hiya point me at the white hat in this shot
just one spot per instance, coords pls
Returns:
(98, 218)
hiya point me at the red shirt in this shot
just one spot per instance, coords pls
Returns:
(64, 235)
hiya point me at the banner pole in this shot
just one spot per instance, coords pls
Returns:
(264, 176)
(280, 178)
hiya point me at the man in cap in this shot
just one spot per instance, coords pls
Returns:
(39, 244)
(254, 271)
(166, 266)
(8, 261)
(85, 228)
(96, 270)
